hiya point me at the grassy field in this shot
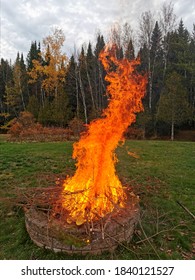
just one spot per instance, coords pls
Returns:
(163, 174)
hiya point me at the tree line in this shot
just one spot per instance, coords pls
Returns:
(57, 89)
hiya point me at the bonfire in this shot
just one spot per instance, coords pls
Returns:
(95, 189)
(93, 206)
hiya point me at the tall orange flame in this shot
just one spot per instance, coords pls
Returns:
(95, 188)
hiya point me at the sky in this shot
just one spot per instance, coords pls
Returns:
(24, 21)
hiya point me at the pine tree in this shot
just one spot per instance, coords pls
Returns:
(181, 58)
(5, 78)
(173, 106)
(71, 88)
(61, 112)
(145, 38)
(191, 76)
(90, 71)
(100, 85)
(99, 45)
(34, 89)
(82, 79)
(156, 65)
(45, 113)
(151, 63)
(24, 81)
(130, 51)
(33, 54)
(16, 89)
(167, 24)
(33, 106)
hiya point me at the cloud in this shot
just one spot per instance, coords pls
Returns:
(24, 21)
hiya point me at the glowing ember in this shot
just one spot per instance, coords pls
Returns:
(95, 188)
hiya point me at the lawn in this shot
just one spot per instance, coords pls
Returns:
(161, 173)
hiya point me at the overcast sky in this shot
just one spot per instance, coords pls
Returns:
(24, 21)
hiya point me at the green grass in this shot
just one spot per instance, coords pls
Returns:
(163, 174)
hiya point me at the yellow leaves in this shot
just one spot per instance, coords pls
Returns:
(35, 72)
(50, 67)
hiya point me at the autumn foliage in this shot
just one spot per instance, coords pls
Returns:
(53, 68)
(24, 128)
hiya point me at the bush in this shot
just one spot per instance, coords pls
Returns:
(24, 128)
(134, 133)
(20, 124)
(77, 127)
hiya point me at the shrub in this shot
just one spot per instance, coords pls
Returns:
(24, 128)
(134, 133)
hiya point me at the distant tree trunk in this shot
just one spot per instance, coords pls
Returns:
(150, 83)
(172, 130)
(95, 81)
(90, 86)
(42, 97)
(155, 59)
(165, 64)
(1, 106)
(23, 104)
(21, 94)
(145, 38)
(167, 22)
(77, 90)
(83, 97)
(102, 88)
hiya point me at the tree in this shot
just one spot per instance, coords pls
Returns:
(127, 39)
(173, 105)
(61, 112)
(191, 64)
(167, 25)
(5, 78)
(156, 65)
(130, 51)
(89, 64)
(100, 86)
(45, 114)
(52, 69)
(33, 106)
(122, 37)
(24, 82)
(34, 88)
(16, 89)
(181, 59)
(33, 54)
(145, 38)
(49, 70)
(71, 87)
(82, 78)
(178, 57)
(115, 35)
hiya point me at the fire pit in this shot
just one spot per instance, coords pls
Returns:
(94, 238)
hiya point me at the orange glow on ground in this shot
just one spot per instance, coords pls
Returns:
(95, 189)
